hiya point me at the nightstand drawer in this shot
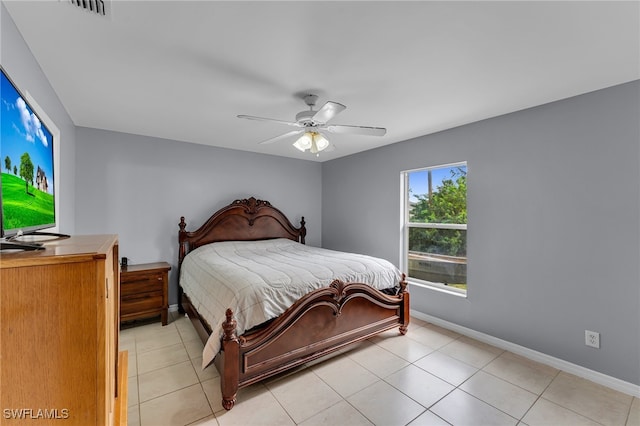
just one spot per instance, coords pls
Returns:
(140, 303)
(141, 283)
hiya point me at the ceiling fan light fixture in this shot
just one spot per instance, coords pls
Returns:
(304, 142)
(320, 141)
(313, 141)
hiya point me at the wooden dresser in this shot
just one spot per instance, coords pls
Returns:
(144, 291)
(59, 322)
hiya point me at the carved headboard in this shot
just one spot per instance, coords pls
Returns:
(242, 220)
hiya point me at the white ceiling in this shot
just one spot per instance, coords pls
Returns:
(184, 70)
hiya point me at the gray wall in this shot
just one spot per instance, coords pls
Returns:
(21, 65)
(553, 240)
(138, 187)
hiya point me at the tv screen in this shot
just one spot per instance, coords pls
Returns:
(26, 158)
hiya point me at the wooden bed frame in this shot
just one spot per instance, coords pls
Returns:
(318, 324)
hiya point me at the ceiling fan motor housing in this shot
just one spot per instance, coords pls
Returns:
(305, 116)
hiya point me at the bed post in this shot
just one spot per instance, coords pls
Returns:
(303, 230)
(182, 252)
(230, 374)
(406, 314)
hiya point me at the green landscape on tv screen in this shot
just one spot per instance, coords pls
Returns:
(26, 154)
(24, 210)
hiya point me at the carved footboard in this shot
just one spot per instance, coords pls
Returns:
(320, 323)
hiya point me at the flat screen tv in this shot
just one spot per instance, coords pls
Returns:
(27, 197)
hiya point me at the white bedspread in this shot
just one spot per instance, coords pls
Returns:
(259, 280)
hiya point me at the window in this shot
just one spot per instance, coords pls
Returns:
(435, 226)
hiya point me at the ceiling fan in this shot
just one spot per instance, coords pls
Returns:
(310, 123)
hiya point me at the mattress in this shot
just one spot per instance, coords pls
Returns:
(259, 280)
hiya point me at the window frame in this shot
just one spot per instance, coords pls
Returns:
(405, 225)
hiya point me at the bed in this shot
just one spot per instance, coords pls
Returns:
(225, 254)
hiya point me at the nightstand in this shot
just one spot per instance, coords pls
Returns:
(144, 291)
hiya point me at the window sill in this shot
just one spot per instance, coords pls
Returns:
(439, 288)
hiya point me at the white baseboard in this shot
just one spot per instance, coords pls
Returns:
(173, 308)
(594, 376)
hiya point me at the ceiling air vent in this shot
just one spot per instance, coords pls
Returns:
(95, 6)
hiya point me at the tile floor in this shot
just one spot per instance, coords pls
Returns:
(431, 376)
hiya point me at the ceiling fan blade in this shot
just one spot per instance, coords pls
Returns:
(286, 135)
(356, 130)
(328, 111)
(273, 120)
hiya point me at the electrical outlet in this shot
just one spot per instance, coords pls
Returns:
(592, 338)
